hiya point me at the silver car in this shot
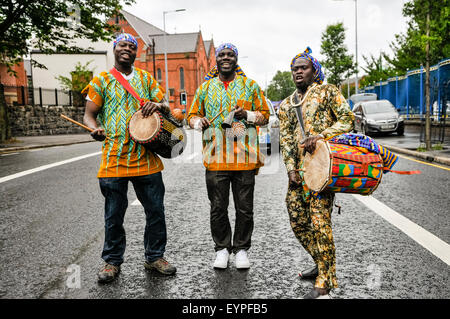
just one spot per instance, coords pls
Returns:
(377, 117)
(269, 135)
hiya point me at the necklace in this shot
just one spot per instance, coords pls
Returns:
(303, 97)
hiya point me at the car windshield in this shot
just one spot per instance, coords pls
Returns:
(378, 107)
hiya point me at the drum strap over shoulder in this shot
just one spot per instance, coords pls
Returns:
(298, 108)
(298, 112)
(126, 85)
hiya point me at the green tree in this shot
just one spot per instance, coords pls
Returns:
(281, 86)
(376, 70)
(338, 64)
(79, 78)
(426, 41)
(50, 26)
(410, 48)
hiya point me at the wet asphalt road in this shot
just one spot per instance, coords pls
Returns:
(52, 234)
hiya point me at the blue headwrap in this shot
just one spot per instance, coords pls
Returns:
(125, 37)
(318, 75)
(227, 46)
(214, 71)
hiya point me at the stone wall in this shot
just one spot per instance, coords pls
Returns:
(46, 120)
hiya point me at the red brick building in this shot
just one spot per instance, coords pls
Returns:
(14, 85)
(189, 56)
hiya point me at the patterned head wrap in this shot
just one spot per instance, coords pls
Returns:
(224, 46)
(214, 71)
(318, 74)
(125, 37)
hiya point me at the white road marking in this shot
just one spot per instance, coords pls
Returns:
(42, 168)
(8, 154)
(191, 156)
(136, 203)
(436, 246)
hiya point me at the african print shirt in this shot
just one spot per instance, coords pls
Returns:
(121, 156)
(325, 111)
(236, 148)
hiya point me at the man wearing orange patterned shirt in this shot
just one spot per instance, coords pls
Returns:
(231, 156)
(123, 160)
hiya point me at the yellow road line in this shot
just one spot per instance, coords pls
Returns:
(434, 165)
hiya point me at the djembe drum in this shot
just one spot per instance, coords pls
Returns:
(342, 168)
(160, 133)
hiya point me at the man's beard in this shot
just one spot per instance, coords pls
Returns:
(302, 87)
(226, 73)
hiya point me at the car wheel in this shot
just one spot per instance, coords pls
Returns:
(363, 130)
(401, 131)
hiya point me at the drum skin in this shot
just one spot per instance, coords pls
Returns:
(159, 133)
(342, 168)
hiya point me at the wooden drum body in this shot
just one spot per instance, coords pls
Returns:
(342, 168)
(160, 133)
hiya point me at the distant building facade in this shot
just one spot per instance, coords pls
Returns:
(189, 58)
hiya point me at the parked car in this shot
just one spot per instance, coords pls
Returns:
(361, 97)
(269, 135)
(377, 117)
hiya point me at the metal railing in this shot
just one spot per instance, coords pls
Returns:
(27, 95)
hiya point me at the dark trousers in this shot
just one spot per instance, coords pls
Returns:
(150, 192)
(242, 186)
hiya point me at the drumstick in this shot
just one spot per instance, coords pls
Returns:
(213, 119)
(79, 124)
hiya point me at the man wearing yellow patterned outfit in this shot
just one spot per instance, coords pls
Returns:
(123, 160)
(231, 155)
(314, 111)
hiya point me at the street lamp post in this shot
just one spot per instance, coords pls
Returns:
(356, 42)
(165, 50)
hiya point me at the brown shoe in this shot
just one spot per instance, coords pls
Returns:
(108, 273)
(161, 265)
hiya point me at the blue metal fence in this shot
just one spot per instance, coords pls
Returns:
(407, 92)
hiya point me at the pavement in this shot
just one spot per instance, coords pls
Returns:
(407, 145)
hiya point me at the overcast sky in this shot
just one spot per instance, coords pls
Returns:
(268, 34)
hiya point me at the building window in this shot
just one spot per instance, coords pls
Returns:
(181, 79)
(158, 75)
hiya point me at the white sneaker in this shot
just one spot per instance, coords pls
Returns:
(242, 261)
(222, 257)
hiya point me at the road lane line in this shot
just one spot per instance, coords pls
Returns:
(42, 168)
(8, 154)
(136, 203)
(436, 246)
(421, 162)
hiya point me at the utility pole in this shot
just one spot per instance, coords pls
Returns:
(153, 54)
(427, 84)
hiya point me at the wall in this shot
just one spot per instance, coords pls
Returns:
(35, 120)
(63, 64)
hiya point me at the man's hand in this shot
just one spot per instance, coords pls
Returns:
(98, 134)
(240, 113)
(294, 179)
(149, 108)
(309, 144)
(201, 123)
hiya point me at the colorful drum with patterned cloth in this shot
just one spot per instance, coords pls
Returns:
(342, 168)
(160, 133)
